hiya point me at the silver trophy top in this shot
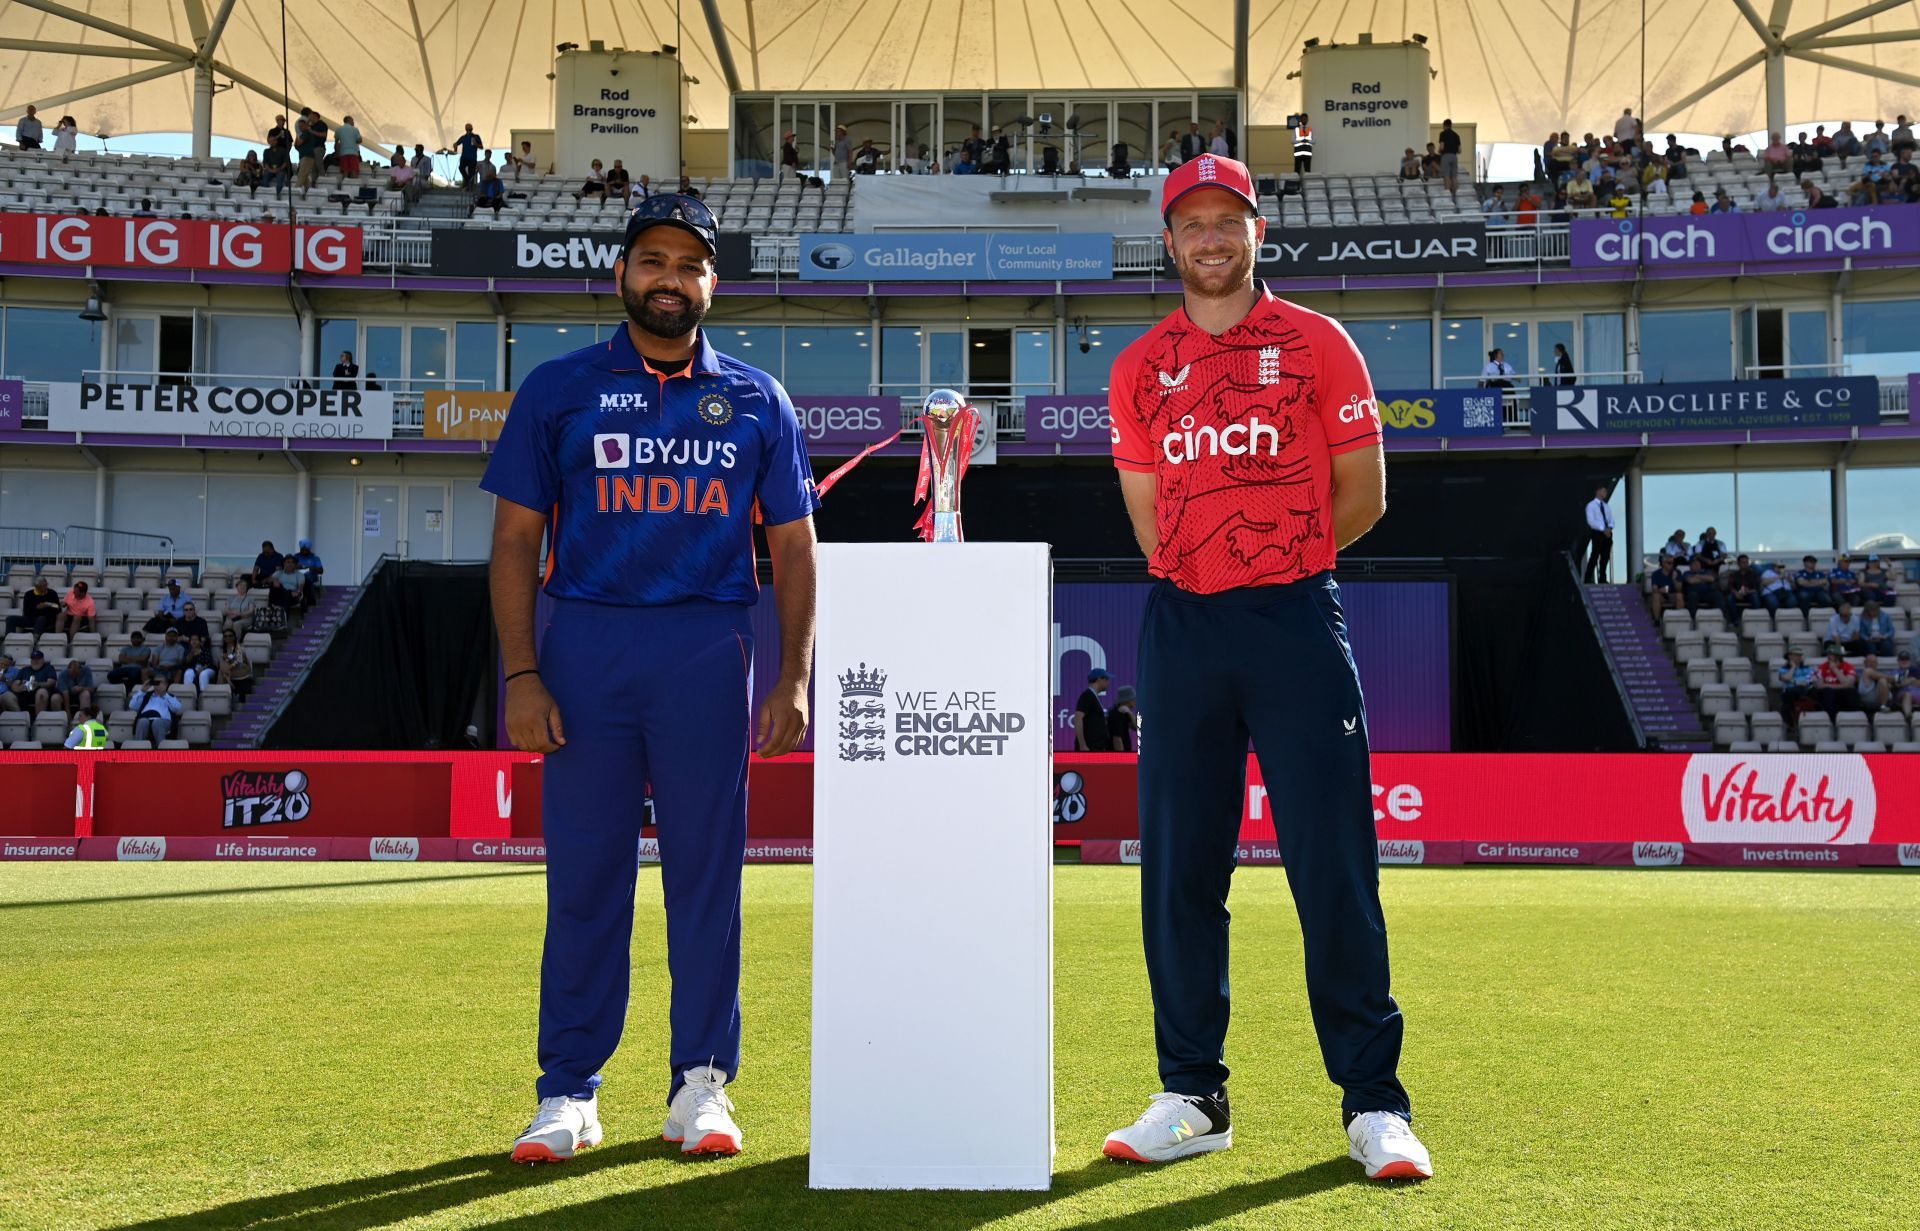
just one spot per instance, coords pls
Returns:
(943, 404)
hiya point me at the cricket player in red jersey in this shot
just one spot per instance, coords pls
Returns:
(1248, 446)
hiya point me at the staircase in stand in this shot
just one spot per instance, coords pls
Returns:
(291, 658)
(443, 203)
(1653, 683)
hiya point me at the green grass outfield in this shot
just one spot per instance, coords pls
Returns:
(351, 1046)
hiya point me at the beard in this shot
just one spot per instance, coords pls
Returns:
(1215, 281)
(662, 322)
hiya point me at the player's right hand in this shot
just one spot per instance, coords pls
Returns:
(533, 719)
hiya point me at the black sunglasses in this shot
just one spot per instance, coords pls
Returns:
(690, 210)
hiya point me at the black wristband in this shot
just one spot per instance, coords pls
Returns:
(516, 675)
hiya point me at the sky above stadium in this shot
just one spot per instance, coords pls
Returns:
(418, 71)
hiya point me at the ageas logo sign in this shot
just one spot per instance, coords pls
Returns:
(1803, 800)
(264, 799)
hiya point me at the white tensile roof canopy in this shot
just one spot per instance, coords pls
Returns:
(418, 70)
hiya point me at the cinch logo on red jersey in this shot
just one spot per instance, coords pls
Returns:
(1358, 409)
(1235, 439)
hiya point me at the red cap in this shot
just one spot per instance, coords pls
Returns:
(1208, 171)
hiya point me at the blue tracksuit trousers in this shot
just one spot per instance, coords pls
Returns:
(1270, 662)
(655, 695)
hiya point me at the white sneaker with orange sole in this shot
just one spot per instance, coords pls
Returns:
(1383, 1143)
(562, 1126)
(700, 1117)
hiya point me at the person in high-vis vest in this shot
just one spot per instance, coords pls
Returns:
(1303, 148)
(89, 733)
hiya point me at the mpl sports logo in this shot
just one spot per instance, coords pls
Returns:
(1797, 800)
(264, 799)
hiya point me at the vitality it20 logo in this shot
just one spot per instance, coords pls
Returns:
(264, 799)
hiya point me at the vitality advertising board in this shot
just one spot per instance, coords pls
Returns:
(956, 256)
(168, 243)
(1751, 239)
(241, 411)
(459, 252)
(1839, 401)
(1434, 247)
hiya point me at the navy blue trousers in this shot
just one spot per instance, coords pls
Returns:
(1271, 663)
(655, 695)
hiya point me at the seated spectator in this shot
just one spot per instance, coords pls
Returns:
(310, 564)
(134, 663)
(1699, 204)
(1806, 158)
(236, 669)
(1429, 163)
(1843, 629)
(1816, 199)
(1835, 686)
(1741, 589)
(39, 610)
(276, 167)
(281, 598)
(1846, 144)
(172, 606)
(265, 565)
(1495, 207)
(237, 609)
(191, 625)
(1619, 205)
(1580, 193)
(1873, 178)
(42, 682)
(77, 612)
(15, 695)
(146, 209)
(66, 136)
(1676, 157)
(1702, 583)
(489, 192)
(687, 189)
(1775, 591)
(73, 690)
(1810, 585)
(619, 183)
(1409, 165)
(88, 731)
(1666, 586)
(200, 666)
(1822, 143)
(1842, 582)
(1874, 581)
(1709, 546)
(1906, 684)
(250, 174)
(643, 187)
(170, 658)
(1651, 173)
(1776, 157)
(595, 184)
(1722, 203)
(400, 176)
(155, 711)
(1770, 199)
(1903, 180)
(1876, 686)
(1796, 684)
(1876, 629)
(1676, 546)
(963, 163)
(28, 130)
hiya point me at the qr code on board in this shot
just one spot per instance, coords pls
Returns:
(1480, 410)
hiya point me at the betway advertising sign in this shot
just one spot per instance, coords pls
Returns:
(168, 243)
(1441, 247)
(1841, 401)
(959, 256)
(240, 411)
(1750, 239)
(462, 253)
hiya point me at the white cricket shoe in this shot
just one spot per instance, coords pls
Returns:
(561, 1126)
(1174, 1126)
(1383, 1142)
(700, 1117)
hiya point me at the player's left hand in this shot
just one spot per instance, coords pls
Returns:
(783, 719)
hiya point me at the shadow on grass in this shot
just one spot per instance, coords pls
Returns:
(712, 1193)
(287, 888)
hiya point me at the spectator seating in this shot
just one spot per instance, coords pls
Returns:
(33, 181)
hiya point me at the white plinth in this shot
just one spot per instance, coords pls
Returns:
(933, 868)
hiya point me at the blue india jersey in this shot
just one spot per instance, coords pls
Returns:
(651, 482)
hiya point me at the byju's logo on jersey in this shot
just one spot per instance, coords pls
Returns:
(264, 799)
(863, 714)
(610, 451)
(623, 401)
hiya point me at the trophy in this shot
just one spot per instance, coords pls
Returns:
(948, 424)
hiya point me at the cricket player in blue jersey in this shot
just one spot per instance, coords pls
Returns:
(645, 460)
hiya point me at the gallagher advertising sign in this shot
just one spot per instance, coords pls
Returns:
(1708, 406)
(1442, 247)
(250, 411)
(1752, 239)
(958, 256)
(167, 243)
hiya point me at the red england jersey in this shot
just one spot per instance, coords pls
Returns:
(1239, 432)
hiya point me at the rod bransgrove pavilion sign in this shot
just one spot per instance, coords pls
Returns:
(240, 411)
(169, 243)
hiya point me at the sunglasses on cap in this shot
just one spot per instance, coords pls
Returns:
(673, 207)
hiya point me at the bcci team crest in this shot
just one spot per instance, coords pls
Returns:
(863, 714)
(715, 409)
